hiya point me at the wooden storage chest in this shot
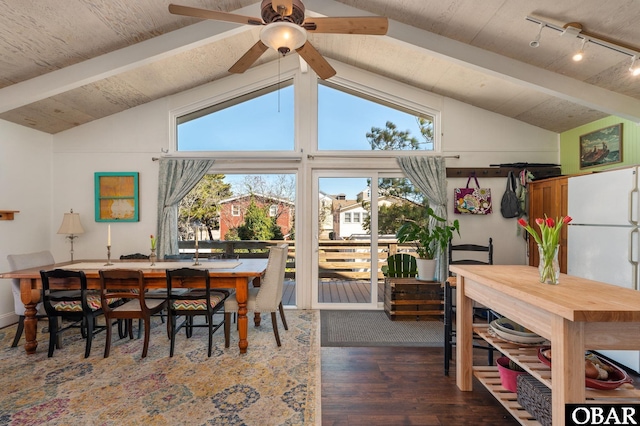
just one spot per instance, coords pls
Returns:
(409, 299)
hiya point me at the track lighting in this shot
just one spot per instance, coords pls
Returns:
(634, 68)
(536, 41)
(580, 53)
(574, 29)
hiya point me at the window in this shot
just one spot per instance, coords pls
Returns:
(347, 218)
(239, 124)
(273, 210)
(348, 120)
(356, 217)
(235, 210)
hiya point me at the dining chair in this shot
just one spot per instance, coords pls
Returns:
(80, 306)
(267, 297)
(464, 254)
(25, 261)
(199, 300)
(401, 265)
(129, 286)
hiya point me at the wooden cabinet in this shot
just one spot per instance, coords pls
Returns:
(410, 299)
(548, 197)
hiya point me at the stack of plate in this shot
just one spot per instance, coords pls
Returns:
(514, 332)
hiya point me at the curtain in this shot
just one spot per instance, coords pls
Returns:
(429, 174)
(177, 177)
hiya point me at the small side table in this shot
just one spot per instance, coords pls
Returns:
(410, 299)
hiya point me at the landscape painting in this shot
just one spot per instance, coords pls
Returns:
(603, 146)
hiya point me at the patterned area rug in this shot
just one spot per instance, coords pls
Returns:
(374, 328)
(266, 386)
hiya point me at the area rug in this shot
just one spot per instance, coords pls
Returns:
(269, 385)
(374, 328)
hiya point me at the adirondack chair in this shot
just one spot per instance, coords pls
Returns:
(400, 265)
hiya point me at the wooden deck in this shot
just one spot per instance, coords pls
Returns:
(336, 291)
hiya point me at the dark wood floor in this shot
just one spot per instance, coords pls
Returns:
(401, 386)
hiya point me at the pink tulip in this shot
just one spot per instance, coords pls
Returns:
(550, 222)
(567, 219)
(539, 221)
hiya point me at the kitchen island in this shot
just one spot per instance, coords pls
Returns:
(575, 315)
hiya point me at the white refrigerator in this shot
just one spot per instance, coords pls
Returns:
(603, 237)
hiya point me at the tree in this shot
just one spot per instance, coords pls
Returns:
(201, 204)
(390, 138)
(258, 225)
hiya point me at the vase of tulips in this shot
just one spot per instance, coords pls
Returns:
(152, 256)
(548, 245)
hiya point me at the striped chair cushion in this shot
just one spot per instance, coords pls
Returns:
(93, 301)
(197, 305)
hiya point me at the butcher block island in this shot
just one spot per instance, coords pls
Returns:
(575, 315)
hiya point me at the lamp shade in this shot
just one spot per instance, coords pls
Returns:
(283, 36)
(71, 224)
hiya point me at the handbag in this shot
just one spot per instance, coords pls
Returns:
(472, 200)
(510, 203)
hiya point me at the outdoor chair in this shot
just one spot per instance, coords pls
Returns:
(401, 265)
(128, 286)
(198, 300)
(267, 297)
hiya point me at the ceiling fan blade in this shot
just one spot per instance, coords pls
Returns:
(316, 61)
(214, 15)
(287, 5)
(373, 25)
(249, 58)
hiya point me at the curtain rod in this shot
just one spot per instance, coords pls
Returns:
(232, 158)
(312, 156)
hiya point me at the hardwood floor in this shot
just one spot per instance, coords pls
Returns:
(401, 386)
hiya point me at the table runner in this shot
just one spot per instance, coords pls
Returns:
(207, 264)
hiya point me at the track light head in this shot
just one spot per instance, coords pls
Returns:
(536, 41)
(580, 53)
(635, 67)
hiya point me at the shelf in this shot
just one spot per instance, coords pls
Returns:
(7, 214)
(527, 358)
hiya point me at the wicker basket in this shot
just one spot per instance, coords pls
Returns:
(535, 397)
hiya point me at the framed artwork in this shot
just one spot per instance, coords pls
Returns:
(116, 197)
(601, 147)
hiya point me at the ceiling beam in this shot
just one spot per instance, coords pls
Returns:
(517, 72)
(113, 63)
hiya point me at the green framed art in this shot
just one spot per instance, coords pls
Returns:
(116, 196)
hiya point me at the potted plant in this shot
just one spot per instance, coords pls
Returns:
(430, 236)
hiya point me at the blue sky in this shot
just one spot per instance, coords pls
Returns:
(266, 123)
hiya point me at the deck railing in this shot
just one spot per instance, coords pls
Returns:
(339, 259)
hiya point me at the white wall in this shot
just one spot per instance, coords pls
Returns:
(44, 176)
(26, 186)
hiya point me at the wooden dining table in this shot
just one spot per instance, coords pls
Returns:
(236, 274)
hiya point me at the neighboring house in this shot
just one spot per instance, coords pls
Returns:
(232, 211)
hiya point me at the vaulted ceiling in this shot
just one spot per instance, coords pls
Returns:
(69, 62)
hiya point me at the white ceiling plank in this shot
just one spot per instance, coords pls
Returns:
(113, 63)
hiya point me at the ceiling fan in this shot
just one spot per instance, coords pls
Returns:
(285, 29)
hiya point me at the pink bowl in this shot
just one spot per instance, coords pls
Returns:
(508, 377)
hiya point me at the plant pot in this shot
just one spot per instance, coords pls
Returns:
(426, 269)
(508, 377)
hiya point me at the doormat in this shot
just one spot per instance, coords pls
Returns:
(374, 328)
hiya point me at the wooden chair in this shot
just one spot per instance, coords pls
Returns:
(267, 297)
(128, 286)
(471, 255)
(61, 299)
(25, 261)
(199, 300)
(401, 265)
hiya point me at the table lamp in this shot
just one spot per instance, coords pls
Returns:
(71, 226)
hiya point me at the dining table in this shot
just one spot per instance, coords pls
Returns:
(230, 274)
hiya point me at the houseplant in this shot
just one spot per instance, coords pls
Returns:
(430, 236)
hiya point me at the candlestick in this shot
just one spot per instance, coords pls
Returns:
(109, 236)
(108, 256)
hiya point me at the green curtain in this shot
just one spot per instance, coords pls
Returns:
(177, 177)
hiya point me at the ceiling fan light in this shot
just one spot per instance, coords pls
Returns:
(283, 36)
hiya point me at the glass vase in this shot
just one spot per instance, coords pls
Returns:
(153, 257)
(549, 267)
